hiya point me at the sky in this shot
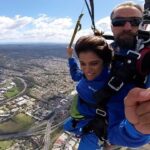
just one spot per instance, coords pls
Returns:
(51, 21)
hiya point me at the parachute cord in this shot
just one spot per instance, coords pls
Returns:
(88, 8)
(91, 13)
(76, 29)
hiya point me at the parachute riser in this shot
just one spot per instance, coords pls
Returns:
(143, 37)
(76, 29)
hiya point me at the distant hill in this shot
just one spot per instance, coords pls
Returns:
(33, 50)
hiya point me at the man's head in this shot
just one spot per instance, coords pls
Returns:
(125, 19)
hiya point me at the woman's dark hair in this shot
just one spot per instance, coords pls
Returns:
(97, 44)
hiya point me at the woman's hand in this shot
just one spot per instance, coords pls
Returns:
(69, 52)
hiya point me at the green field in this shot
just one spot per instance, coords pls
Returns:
(5, 144)
(7, 83)
(11, 92)
(20, 122)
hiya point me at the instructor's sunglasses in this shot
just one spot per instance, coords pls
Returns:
(121, 21)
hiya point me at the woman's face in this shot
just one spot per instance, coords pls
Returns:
(91, 64)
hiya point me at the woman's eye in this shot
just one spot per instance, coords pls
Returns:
(82, 64)
(94, 63)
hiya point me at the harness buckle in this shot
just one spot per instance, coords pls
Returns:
(101, 112)
(113, 85)
(134, 54)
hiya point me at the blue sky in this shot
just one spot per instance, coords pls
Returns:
(50, 20)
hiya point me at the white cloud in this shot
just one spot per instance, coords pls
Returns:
(5, 22)
(104, 25)
(140, 1)
(42, 29)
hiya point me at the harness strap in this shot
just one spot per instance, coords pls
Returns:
(91, 13)
(147, 4)
(74, 122)
(118, 78)
(76, 29)
(98, 126)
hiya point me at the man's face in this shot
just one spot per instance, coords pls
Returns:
(125, 22)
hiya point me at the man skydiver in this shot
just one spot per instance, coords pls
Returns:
(125, 20)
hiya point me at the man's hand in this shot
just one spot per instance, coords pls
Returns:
(137, 109)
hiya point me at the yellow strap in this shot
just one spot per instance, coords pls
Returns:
(76, 29)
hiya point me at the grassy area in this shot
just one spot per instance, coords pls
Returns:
(5, 84)
(5, 144)
(20, 122)
(11, 92)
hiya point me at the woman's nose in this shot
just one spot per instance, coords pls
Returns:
(87, 68)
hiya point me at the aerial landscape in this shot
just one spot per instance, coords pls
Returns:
(46, 106)
(36, 91)
(34, 87)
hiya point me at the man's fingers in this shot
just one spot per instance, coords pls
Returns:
(137, 95)
(143, 108)
(144, 119)
(145, 129)
(137, 105)
(138, 114)
(131, 115)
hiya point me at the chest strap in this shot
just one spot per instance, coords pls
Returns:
(127, 73)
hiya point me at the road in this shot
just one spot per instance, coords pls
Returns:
(35, 130)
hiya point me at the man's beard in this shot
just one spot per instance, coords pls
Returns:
(126, 40)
